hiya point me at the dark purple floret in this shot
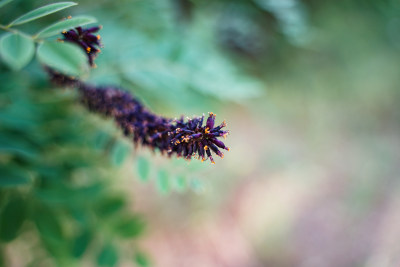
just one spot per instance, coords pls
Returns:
(184, 138)
(86, 39)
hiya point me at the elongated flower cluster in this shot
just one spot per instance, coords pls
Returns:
(186, 139)
(183, 138)
(86, 39)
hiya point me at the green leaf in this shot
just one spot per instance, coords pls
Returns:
(64, 25)
(108, 256)
(11, 176)
(129, 227)
(16, 50)
(48, 224)
(81, 243)
(64, 57)
(162, 182)
(20, 115)
(4, 2)
(101, 139)
(64, 195)
(50, 228)
(16, 145)
(119, 153)
(41, 12)
(109, 206)
(143, 168)
(142, 260)
(180, 183)
(12, 217)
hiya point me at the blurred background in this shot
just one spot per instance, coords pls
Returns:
(310, 91)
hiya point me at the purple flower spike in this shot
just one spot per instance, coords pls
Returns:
(86, 39)
(183, 138)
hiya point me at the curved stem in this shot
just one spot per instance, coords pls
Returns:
(6, 28)
(34, 38)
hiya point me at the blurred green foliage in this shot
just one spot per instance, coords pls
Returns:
(56, 160)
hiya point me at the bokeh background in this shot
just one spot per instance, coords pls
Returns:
(310, 91)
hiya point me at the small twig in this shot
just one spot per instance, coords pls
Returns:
(6, 28)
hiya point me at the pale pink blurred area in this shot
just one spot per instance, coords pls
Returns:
(284, 196)
(312, 177)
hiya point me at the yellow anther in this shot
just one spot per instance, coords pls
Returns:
(205, 147)
(207, 130)
(88, 49)
(69, 17)
(228, 148)
(213, 162)
(64, 31)
(224, 135)
(98, 37)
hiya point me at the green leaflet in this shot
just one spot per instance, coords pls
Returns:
(141, 259)
(108, 256)
(12, 217)
(41, 12)
(16, 50)
(12, 176)
(80, 243)
(4, 2)
(119, 153)
(129, 226)
(143, 168)
(63, 25)
(162, 182)
(64, 57)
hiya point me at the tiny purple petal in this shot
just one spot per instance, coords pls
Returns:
(93, 29)
(218, 143)
(210, 121)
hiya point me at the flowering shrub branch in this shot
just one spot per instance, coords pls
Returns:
(190, 138)
(178, 137)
